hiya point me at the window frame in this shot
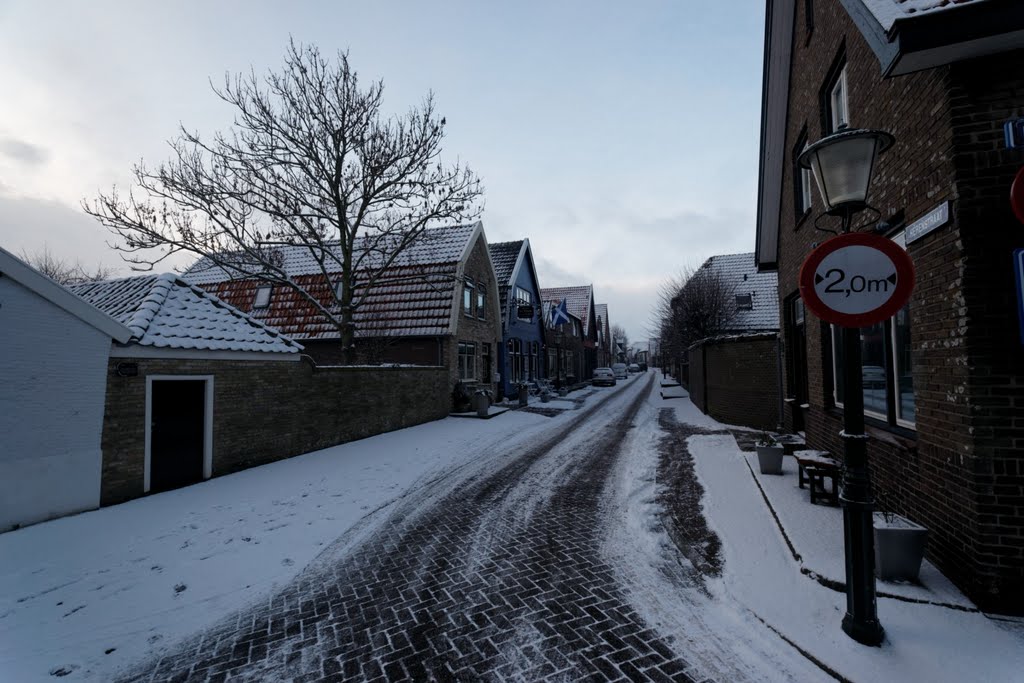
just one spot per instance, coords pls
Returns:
(481, 302)
(466, 353)
(835, 76)
(467, 297)
(839, 93)
(269, 290)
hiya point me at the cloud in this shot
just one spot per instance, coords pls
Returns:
(25, 152)
(30, 224)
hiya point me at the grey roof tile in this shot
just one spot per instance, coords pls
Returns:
(740, 272)
(164, 311)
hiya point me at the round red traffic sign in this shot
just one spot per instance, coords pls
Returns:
(1017, 195)
(856, 279)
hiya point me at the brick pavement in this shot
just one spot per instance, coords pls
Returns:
(489, 584)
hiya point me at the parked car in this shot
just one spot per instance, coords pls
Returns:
(619, 370)
(604, 377)
(633, 367)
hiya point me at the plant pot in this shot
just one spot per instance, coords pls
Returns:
(545, 396)
(483, 405)
(769, 458)
(899, 548)
(524, 394)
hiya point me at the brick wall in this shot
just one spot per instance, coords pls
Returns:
(959, 471)
(983, 94)
(736, 382)
(265, 411)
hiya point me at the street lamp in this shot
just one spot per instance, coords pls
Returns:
(842, 164)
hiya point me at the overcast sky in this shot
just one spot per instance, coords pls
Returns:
(620, 137)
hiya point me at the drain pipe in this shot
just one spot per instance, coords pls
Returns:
(780, 425)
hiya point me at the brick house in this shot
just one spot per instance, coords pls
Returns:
(564, 346)
(579, 302)
(733, 376)
(521, 353)
(944, 378)
(437, 305)
(605, 353)
(52, 391)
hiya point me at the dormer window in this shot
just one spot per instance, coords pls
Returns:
(744, 302)
(262, 299)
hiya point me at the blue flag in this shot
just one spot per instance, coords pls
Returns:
(559, 314)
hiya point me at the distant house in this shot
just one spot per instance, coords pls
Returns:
(580, 303)
(521, 356)
(605, 350)
(734, 376)
(436, 305)
(566, 353)
(52, 392)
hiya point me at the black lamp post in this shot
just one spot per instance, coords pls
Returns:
(842, 164)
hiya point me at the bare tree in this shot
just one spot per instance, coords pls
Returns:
(696, 304)
(309, 162)
(62, 270)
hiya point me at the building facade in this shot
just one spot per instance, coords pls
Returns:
(521, 353)
(944, 378)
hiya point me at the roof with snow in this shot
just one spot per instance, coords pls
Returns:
(740, 272)
(578, 301)
(414, 296)
(888, 12)
(164, 311)
(504, 256)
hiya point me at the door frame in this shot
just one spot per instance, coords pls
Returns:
(207, 422)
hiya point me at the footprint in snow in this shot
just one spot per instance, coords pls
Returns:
(156, 568)
(60, 671)
(109, 650)
(287, 561)
(154, 638)
(179, 588)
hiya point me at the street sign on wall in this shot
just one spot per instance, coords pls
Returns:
(856, 280)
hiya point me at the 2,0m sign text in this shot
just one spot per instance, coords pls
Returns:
(856, 280)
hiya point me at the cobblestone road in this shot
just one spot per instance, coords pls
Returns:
(500, 580)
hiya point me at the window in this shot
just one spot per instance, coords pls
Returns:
(481, 303)
(515, 360)
(523, 298)
(744, 302)
(485, 357)
(467, 298)
(839, 113)
(262, 296)
(886, 367)
(339, 289)
(534, 360)
(802, 197)
(467, 361)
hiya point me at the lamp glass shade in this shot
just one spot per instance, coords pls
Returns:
(842, 165)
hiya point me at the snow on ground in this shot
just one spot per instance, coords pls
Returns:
(92, 593)
(717, 634)
(923, 642)
(816, 532)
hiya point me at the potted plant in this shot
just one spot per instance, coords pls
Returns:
(899, 545)
(769, 454)
(482, 397)
(523, 390)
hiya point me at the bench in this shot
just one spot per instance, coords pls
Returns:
(814, 468)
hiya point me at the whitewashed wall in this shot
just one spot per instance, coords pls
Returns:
(52, 390)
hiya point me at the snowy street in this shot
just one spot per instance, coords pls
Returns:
(618, 535)
(543, 557)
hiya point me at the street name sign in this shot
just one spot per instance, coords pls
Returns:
(856, 279)
(932, 220)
